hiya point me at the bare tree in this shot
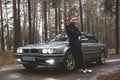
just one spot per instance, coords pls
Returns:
(106, 31)
(45, 19)
(25, 34)
(19, 24)
(56, 25)
(2, 29)
(17, 29)
(87, 18)
(59, 17)
(29, 18)
(117, 27)
(65, 12)
(6, 25)
(34, 20)
(81, 15)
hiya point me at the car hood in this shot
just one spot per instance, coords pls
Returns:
(46, 45)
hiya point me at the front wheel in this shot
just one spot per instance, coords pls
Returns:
(69, 62)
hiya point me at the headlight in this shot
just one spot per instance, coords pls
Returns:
(19, 51)
(50, 51)
(44, 51)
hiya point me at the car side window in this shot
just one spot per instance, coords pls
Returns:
(59, 37)
(63, 37)
(92, 39)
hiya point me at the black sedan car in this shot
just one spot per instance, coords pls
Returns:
(57, 51)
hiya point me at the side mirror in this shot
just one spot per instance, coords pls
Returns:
(85, 40)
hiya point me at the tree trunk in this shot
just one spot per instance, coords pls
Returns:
(59, 17)
(17, 29)
(25, 28)
(36, 28)
(87, 18)
(45, 19)
(49, 21)
(29, 19)
(2, 29)
(65, 13)
(15, 25)
(19, 24)
(34, 20)
(81, 15)
(56, 26)
(8, 36)
(106, 31)
(117, 27)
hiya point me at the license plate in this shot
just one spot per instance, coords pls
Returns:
(29, 58)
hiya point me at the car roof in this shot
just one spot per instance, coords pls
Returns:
(86, 34)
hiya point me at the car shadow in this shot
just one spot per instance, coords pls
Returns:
(49, 71)
(55, 70)
(46, 71)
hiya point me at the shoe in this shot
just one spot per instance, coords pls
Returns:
(83, 70)
(89, 70)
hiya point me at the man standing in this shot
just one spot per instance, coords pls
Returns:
(74, 35)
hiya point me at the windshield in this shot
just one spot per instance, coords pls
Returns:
(59, 37)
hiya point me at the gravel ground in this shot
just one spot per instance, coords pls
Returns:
(114, 75)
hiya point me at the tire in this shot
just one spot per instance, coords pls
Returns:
(29, 67)
(102, 58)
(70, 62)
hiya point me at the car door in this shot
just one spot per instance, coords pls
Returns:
(94, 47)
(85, 47)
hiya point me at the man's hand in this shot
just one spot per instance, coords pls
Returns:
(79, 37)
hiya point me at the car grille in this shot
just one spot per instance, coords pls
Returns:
(26, 50)
(30, 50)
(34, 50)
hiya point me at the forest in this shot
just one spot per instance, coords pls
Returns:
(24, 22)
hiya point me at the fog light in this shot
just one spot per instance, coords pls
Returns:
(19, 60)
(50, 61)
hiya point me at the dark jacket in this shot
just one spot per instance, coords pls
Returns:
(73, 33)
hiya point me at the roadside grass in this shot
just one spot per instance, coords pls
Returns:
(111, 51)
(111, 76)
(7, 58)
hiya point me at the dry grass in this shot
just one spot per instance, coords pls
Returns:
(112, 76)
(7, 58)
(111, 51)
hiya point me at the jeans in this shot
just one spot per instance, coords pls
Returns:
(77, 51)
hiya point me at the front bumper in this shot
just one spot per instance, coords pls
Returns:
(40, 59)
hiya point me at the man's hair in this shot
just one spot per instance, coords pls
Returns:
(71, 18)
